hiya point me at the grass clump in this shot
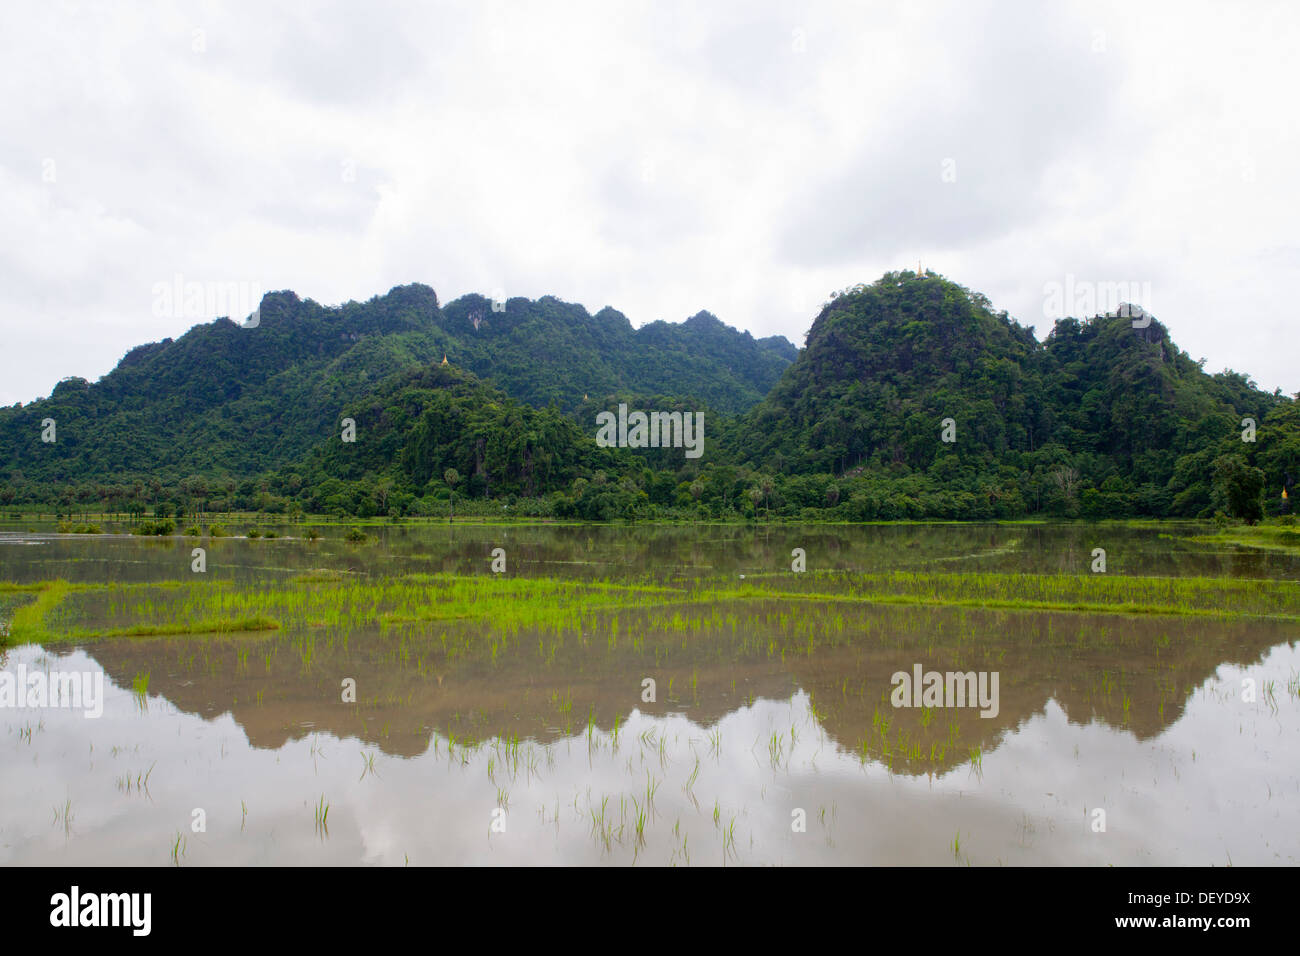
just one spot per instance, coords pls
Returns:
(1279, 534)
(29, 621)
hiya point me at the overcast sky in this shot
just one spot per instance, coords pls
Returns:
(657, 157)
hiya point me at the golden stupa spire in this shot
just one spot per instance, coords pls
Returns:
(444, 358)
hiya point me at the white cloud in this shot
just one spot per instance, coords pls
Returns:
(660, 158)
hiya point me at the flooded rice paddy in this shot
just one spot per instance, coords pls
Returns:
(653, 695)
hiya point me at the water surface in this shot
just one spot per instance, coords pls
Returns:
(472, 743)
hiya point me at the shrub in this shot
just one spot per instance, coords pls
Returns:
(160, 527)
(67, 527)
(356, 535)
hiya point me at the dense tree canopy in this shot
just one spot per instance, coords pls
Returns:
(912, 399)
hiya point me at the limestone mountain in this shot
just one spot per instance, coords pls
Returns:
(915, 379)
(226, 399)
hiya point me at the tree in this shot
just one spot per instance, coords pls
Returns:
(383, 487)
(1236, 488)
(1067, 480)
(451, 476)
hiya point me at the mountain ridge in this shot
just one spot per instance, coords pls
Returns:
(912, 398)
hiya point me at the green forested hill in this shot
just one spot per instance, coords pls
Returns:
(1101, 419)
(547, 350)
(423, 422)
(883, 365)
(227, 400)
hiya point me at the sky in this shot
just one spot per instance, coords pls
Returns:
(661, 158)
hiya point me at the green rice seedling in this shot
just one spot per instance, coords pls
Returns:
(638, 820)
(690, 781)
(652, 788)
(322, 818)
(729, 840)
(140, 688)
(64, 815)
(368, 764)
(179, 846)
(775, 745)
(600, 827)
